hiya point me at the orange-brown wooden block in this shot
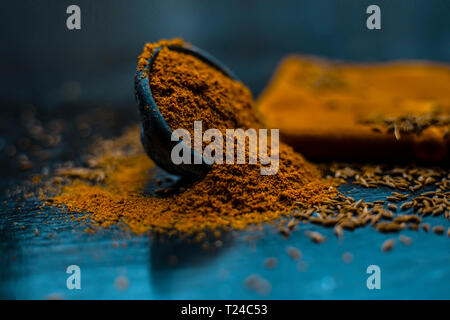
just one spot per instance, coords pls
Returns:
(387, 111)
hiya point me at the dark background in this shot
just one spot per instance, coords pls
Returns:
(45, 64)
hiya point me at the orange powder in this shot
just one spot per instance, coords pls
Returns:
(186, 89)
(229, 196)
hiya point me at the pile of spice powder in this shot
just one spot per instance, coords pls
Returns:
(229, 196)
(186, 89)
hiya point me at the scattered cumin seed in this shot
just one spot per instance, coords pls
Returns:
(407, 218)
(292, 223)
(405, 240)
(284, 231)
(426, 227)
(347, 257)
(439, 230)
(396, 132)
(388, 245)
(258, 284)
(294, 253)
(316, 237)
(339, 232)
(270, 263)
(413, 226)
(387, 227)
(121, 283)
(392, 207)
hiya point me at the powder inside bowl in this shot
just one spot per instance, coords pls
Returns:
(187, 89)
(229, 196)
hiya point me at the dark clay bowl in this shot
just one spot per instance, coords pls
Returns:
(155, 132)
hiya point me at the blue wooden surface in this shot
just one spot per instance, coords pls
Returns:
(34, 266)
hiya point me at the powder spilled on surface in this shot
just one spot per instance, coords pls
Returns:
(229, 196)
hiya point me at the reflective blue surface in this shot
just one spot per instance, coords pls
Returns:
(34, 266)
